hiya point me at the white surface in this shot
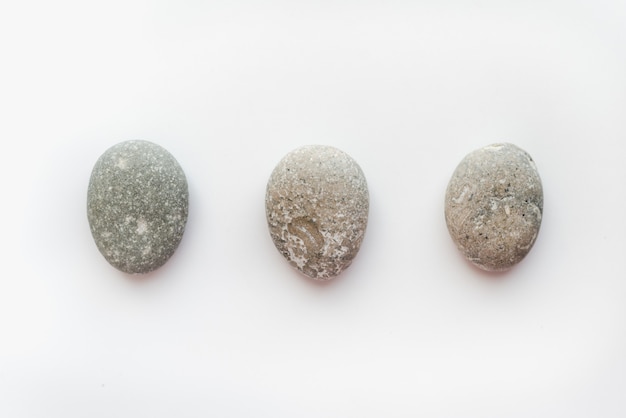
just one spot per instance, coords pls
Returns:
(227, 328)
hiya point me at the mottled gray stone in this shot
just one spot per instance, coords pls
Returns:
(317, 205)
(137, 205)
(493, 207)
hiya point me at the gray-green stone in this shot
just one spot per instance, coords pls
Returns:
(137, 205)
(317, 205)
(494, 205)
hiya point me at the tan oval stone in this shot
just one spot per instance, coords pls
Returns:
(494, 206)
(317, 205)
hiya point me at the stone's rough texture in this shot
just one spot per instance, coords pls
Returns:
(494, 204)
(137, 205)
(317, 204)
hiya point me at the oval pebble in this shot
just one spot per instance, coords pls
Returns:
(494, 205)
(137, 205)
(317, 205)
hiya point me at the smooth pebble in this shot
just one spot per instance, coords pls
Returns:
(494, 206)
(317, 205)
(137, 205)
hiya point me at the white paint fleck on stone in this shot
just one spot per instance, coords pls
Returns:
(121, 164)
(142, 226)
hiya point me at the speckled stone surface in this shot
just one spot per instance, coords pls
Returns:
(137, 205)
(494, 205)
(317, 205)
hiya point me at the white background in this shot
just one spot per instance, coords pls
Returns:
(227, 328)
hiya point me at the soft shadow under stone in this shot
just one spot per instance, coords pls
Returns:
(137, 205)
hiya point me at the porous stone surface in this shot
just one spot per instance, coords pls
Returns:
(137, 205)
(317, 205)
(494, 205)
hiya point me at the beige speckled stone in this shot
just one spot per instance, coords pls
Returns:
(317, 205)
(494, 205)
